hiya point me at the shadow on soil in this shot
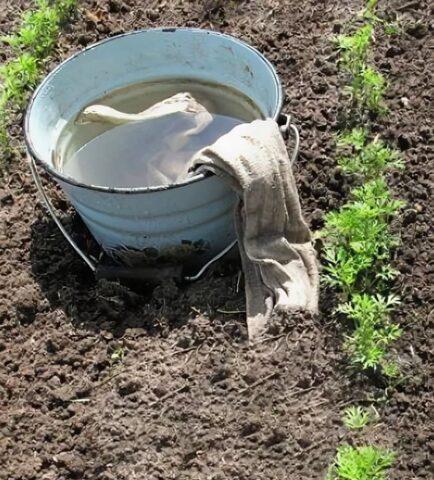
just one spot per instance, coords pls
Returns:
(67, 283)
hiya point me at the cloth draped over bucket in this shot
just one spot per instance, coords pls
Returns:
(278, 258)
(277, 255)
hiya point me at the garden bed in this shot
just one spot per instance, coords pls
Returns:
(104, 381)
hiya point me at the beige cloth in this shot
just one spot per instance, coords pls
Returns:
(157, 144)
(278, 258)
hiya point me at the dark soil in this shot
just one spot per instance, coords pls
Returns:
(104, 381)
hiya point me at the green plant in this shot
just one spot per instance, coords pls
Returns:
(355, 138)
(372, 159)
(4, 138)
(117, 355)
(354, 48)
(392, 28)
(390, 369)
(373, 331)
(356, 418)
(367, 89)
(18, 75)
(38, 31)
(361, 463)
(32, 42)
(357, 238)
(368, 12)
(40, 28)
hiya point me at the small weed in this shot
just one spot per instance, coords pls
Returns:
(392, 29)
(391, 369)
(361, 463)
(372, 159)
(355, 418)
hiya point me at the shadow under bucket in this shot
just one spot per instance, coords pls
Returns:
(193, 218)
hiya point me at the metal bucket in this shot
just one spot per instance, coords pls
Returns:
(195, 212)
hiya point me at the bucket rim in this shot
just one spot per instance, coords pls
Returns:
(131, 190)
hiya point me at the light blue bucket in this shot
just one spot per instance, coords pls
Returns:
(199, 210)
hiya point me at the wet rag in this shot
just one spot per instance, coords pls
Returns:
(278, 258)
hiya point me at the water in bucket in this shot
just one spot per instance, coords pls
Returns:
(150, 153)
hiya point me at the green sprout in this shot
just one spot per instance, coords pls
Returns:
(355, 138)
(118, 355)
(361, 463)
(367, 89)
(355, 418)
(372, 159)
(390, 369)
(354, 48)
(18, 75)
(373, 330)
(357, 237)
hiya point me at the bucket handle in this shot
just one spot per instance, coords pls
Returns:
(285, 126)
(52, 212)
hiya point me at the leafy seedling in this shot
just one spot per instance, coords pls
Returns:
(371, 160)
(355, 418)
(361, 463)
(367, 89)
(391, 369)
(18, 75)
(373, 331)
(354, 48)
(392, 28)
(355, 138)
(357, 238)
(118, 355)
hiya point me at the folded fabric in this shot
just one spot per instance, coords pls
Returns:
(177, 123)
(278, 258)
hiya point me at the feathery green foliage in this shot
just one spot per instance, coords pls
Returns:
(371, 159)
(18, 75)
(358, 240)
(32, 42)
(367, 89)
(355, 418)
(373, 330)
(361, 463)
(355, 138)
(38, 31)
(354, 48)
